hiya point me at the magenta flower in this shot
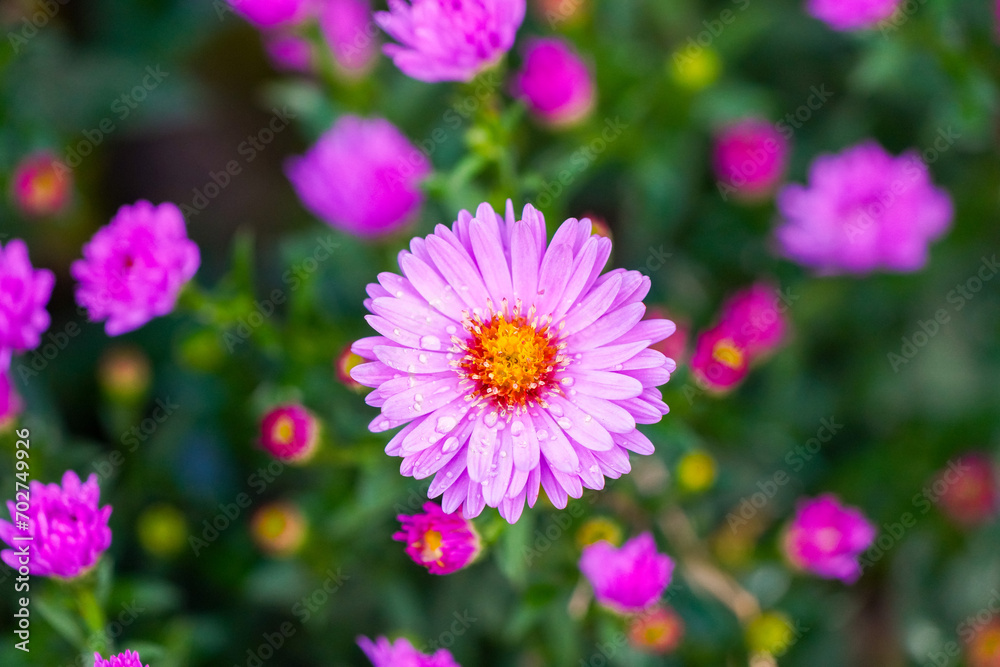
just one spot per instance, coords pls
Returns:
(24, 293)
(864, 210)
(514, 365)
(750, 158)
(135, 266)
(848, 15)
(719, 362)
(628, 578)
(555, 82)
(443, 543)
(384, 653)
(826, 538)
(362, 177)
(38, 187)
(756, 317)
(270, 13)
(10, 402)
(449, 40)
(347, 26)
(126, 659)
(290, 433)
(69, 531)
(289, 52)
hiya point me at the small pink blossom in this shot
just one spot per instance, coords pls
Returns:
(968, 489)
(270, 13)
(24, 294)
(69, 530)
(627, 578)
(348, 28)
(756, 315)
(126, 659)
(384, 653)
(846, 15)
(289, 51)
(555, 82)
(719, 362)
(40, 186)
(134, 267)
(826, 538)
(443, 543)
(750, 159)
(290, 433)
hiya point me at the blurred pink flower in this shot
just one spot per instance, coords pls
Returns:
(384, 653)
(628, 578)
(968, 489)
(271, 13)
(512, 362)
(864, 210)
(555, 82)
(349, 30)
(24, 294)
(750, 158)
(755, 317)
(289, 51)
(290, 433)
(674, 346)
(826, 538)
(69, 530)
(126, 659)
(719, 362)
(134, 267)
(362, 176)
(40, 187)
(443, 543)
(449, 40)
(658, 630)
(10, 402)
(851, 14)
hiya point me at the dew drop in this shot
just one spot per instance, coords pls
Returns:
(451, 330)
(449, 474)
(587, 419)
(396, 331)
(543, 434)
(516, 429)
(618, 367)
(399, 294)
(503, 455)
(446, 424)
(490, 419)
(422, 358)
(411, 368)
(430, 343)
(594, 469)
(565, 423)
(556, 410)
(418, 398)
(567, 381)
(450, 445)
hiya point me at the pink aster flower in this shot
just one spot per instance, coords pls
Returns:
(443, 543)
(24, 293)
(69, 531)
(348, 28)
(38, 187)
(628, 578)
(362, 176)
(826, 538)
(756, 317)
(513, 363)
(848, 15)
(720, 362)
(270, 13)
(449, 40)
(126, 659)
(290, 433)
(750, 158)
(864, 210)
(968, 490)
(10, 402)
(135, 266)
(555, 82)
(384, 653)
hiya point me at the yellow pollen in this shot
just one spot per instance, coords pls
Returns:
(431, 544)
(727, 354)
(510, 361)
(283, 431)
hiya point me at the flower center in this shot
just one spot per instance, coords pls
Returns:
(283, 431)
(727, 354)
(510, 361)
(431, 543)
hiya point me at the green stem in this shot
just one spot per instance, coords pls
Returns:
(93, 618)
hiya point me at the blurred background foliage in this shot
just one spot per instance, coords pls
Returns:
(653, 185)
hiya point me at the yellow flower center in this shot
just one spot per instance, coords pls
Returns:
(510, 361)
(727, 354)
(283, 431)
(431, 545)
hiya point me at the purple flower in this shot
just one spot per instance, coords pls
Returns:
(555, 82)
(826, 538)
(863, 210)
(362, 176)
(290, 433)
(24, 293)
(10, 402)
(384, 653)
(69, 530)
(135, 266)
(270, 13)
(851, 14)
(443, 543)
(449, 40)
(345, 24)
(513, 365)
(750, 157)
(627, 578)
(126, 659)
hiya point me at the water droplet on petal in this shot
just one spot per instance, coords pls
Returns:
(587, 419)
(565, 423)
(446, 424)
(543, 434)
(490, 419)
(594, 469)
(556, 410)
(516, 429)
(449, 474)
(422, 358)
(451, 330)
(567, 381)
(430, 342)
(450, 445)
